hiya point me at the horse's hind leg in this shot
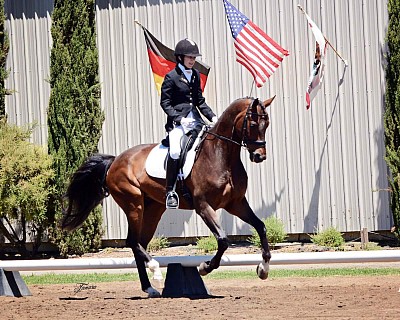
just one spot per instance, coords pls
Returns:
(141, 258)
(243, 211)
(210, 218)
(130, 199)
(139, 236)
(151, 217)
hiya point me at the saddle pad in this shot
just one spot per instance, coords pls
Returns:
(156, 159)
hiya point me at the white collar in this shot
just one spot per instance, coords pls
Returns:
(187, 72)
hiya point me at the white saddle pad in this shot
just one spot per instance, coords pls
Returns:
(156, 160)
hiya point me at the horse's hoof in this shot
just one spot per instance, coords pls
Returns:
(262, 271)
(152, 293)
(203, 269)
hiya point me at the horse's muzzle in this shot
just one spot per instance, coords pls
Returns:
(257, 157)
(256, 150)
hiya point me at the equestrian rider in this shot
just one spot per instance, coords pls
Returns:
(181, 100)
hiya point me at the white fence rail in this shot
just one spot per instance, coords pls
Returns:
(194, 261)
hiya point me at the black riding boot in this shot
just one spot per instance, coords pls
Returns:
(172, 199)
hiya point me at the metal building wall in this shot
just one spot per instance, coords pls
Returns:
(325, 166)
(28, 25)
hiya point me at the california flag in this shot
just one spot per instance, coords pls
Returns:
(317, 74)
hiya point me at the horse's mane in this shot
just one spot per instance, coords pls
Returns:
(243, 98)
(232, 104)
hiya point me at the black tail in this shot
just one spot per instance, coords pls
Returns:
(86, 190)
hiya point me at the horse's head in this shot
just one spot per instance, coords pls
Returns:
(244, 124)
(254, 124)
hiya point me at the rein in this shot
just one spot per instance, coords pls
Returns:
(224, 138)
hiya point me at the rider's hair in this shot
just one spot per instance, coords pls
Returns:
(179, 58)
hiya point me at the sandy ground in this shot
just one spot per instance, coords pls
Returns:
(281, 298)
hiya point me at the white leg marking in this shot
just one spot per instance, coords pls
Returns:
(154, 267)
(264, 266)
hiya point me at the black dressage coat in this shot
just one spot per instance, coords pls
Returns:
(179, 97)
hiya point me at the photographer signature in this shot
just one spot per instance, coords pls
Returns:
(83, 286)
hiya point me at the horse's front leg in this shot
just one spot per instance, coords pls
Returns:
(243, 211)
(210, 218)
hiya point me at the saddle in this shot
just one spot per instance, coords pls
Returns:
(157, 158)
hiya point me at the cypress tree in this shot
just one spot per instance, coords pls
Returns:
(4, 46)
(74, 116)
(392, 112)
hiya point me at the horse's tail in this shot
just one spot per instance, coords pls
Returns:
(86, 190)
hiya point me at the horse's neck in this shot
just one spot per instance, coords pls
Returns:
(223, 146)
(222, 151)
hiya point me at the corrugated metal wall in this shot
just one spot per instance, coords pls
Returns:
(28, 26)
(325, 166)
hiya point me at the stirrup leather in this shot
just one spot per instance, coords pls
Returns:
(172, 200)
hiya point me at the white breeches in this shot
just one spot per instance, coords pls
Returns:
(175, 142)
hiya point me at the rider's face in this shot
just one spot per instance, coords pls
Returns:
(188, 61)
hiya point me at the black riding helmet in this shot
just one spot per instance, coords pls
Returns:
(186, 47)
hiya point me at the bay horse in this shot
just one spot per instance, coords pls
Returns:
(218, 180)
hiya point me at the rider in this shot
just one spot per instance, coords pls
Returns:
(181, 100)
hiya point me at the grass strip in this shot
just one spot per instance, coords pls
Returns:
(63, 278)
(302, 273)
(52, 278)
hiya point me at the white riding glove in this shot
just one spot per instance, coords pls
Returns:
(214, 120)
(187, 124)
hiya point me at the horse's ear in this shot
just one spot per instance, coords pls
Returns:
(255, 103)
(267, 102)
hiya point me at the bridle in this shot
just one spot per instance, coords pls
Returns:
(245, 142)
(248, 117)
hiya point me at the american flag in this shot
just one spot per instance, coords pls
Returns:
(255, 50)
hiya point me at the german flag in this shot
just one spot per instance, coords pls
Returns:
(162, 61)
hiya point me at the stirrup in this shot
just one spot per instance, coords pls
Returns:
(172, 200)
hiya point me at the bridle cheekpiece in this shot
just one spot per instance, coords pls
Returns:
(249, 117)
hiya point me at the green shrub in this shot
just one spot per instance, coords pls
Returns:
(207, 244)
(275, 232)
(158, 243)
(330, 237)
(85, 239)
(25, 187)
(392, 110)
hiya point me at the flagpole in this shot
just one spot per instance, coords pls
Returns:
(252, 86)
(327, 41)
